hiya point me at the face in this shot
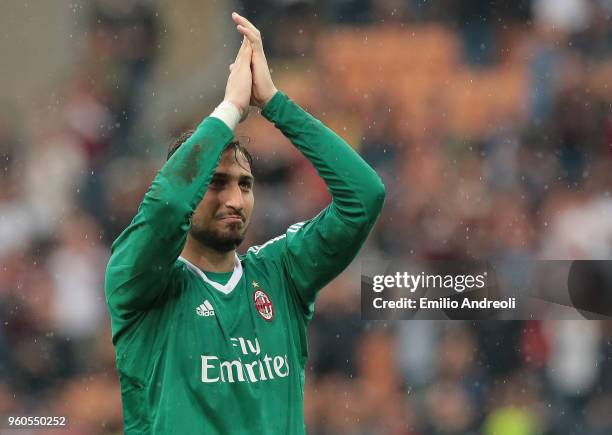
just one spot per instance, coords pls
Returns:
(221, 219)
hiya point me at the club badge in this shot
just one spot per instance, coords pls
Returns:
(263, 303)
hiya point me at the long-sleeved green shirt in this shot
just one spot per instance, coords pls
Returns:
(199, 356)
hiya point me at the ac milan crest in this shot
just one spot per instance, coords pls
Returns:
(263, 304)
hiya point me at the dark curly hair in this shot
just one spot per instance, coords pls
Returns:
(233, 145)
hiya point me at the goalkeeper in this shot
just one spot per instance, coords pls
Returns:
(208, 341)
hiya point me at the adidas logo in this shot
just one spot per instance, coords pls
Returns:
(205, 309)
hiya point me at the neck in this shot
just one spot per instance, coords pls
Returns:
(207, 259)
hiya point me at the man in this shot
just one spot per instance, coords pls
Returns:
(208, 341)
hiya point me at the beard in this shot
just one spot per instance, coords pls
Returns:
(221, 241)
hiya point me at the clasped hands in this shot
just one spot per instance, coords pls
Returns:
(249, 82)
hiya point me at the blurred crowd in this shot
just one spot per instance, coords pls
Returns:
(491, 126)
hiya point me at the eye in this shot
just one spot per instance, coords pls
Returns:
(246, 185)
(216, 183)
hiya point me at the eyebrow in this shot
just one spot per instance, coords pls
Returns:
(226, 176)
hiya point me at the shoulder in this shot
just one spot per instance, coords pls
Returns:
(269, 251)
(273, 247)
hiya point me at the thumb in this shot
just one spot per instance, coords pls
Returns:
(241, 49)
(245, 53)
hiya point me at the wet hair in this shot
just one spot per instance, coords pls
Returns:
(234, 145)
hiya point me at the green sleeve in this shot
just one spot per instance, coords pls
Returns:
(143, 255)
(316, 251)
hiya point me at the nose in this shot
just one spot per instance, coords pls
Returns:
(233, 197)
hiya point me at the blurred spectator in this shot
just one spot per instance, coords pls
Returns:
(580, 230)
(18, 222)
(54, 174)
(511, 421)
(449, 411)
(76, 266)
(125, 35)
(562, 15)
(125, 181)
(572, 368)
(416, 344)
(517, 408)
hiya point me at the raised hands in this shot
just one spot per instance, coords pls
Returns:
(240, 80)
(263, 88)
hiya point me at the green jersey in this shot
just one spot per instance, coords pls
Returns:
(203, 353)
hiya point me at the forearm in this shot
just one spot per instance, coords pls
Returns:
(144, 253)
(181, 183)
(318, 250)
(356, 189)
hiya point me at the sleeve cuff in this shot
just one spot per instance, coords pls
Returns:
(228, 113)
(272, 107)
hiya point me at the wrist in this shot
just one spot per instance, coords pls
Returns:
(230, 113)
(240, 107)
(266, 100)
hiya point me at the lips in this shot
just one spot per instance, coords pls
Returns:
(231, 218)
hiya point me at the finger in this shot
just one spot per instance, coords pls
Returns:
(240, 20)
(252, 37)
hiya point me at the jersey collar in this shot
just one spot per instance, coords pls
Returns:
(231, 284)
